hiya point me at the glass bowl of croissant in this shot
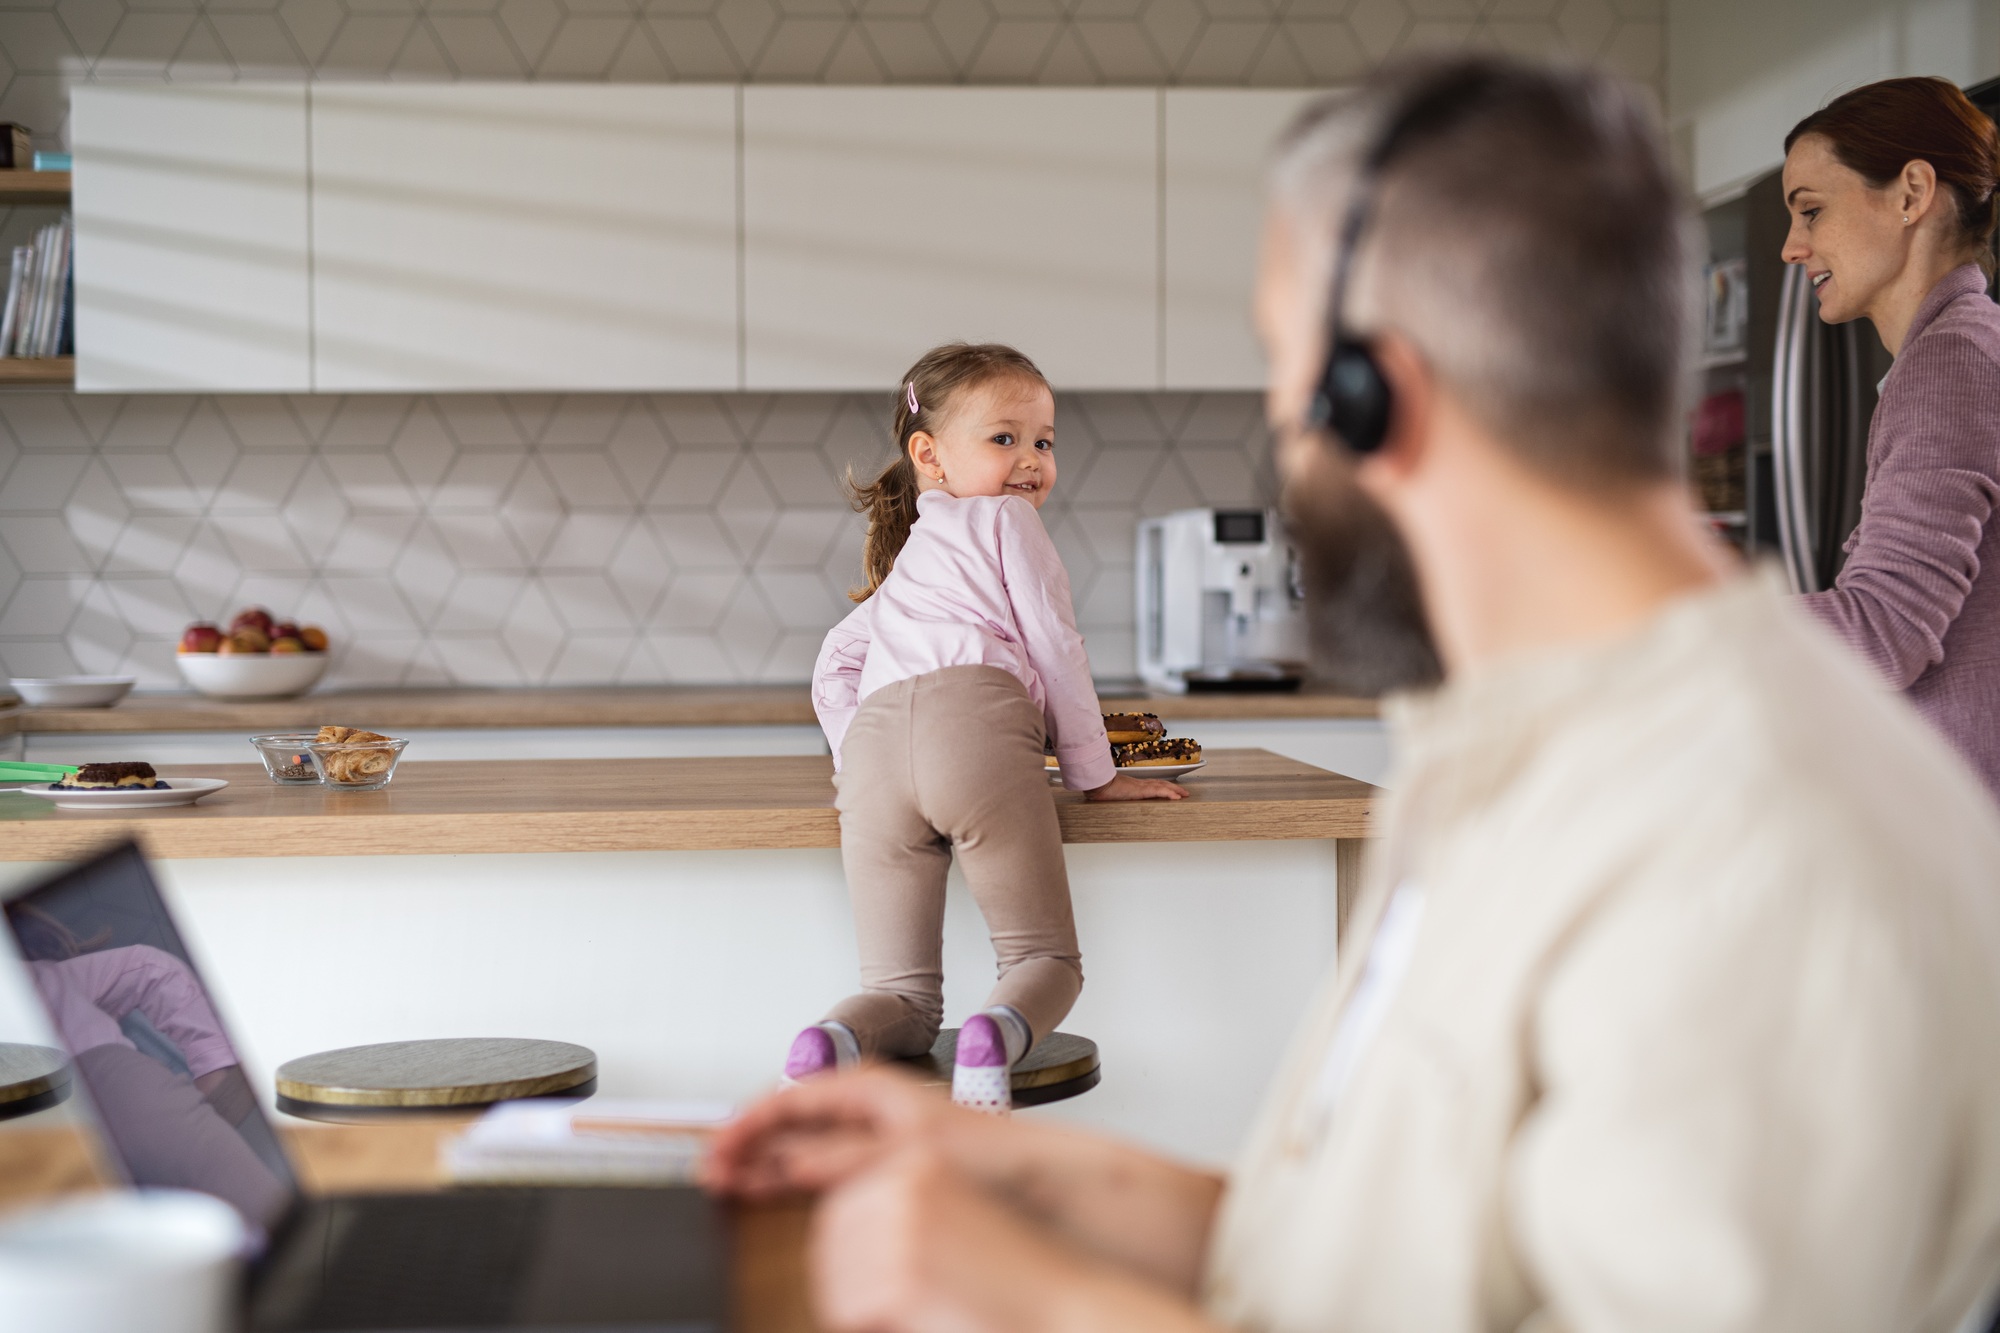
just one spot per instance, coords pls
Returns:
(355, 760)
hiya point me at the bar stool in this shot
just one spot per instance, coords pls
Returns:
(1062, 1065)
(394, 1078)
(32, 1078)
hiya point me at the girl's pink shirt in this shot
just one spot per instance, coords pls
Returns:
(978, 583)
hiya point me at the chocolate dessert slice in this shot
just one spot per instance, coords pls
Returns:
(1145, 754)
(1126, 728)
(107, 777)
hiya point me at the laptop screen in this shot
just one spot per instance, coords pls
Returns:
(170, 1094)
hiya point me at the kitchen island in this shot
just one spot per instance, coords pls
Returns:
(683, 917)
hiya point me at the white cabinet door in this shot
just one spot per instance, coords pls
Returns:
(524, 236)
(1218, 147)
(880, 221)
(190, 207)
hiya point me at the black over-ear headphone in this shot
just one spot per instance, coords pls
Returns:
(1354, 399)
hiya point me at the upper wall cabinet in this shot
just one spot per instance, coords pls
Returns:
(191, 266)
(1217, 149)
(396, 237)
(881, 221)
(521, 236)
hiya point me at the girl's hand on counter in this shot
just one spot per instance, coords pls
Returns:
(1127, 788)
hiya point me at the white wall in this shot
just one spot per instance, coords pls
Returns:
(1739, 76)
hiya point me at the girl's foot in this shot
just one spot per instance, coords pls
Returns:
(979, 1080)
(820, 1049)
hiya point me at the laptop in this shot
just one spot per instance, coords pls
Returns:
(177, 1110)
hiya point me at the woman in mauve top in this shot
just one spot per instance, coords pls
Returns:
(1891, 192)
(936, 695)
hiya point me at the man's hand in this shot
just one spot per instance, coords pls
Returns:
(1125, 787)
(1092, 1196)
(820, 1133)
(914, 1245)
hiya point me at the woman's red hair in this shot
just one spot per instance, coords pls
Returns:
(1880, 128)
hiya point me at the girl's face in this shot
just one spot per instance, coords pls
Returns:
(1851, 237)
(997, 438)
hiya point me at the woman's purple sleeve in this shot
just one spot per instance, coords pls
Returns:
(161, 987)
(1912, 560)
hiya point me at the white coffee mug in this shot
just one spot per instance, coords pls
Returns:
(161, 1260)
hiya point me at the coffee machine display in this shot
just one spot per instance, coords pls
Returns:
(1219, 603)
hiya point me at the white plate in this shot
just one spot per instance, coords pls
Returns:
(72, 691)
(1148, 770)
(1162, 770)
(180, 791)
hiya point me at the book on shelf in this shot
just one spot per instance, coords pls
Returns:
(17, 151)
(10, 317)
(41, 296)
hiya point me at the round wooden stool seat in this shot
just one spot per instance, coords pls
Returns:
(32, 1078)
(450, 1074)
(1062, 1065)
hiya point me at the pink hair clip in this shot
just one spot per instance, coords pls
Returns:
(910, 396)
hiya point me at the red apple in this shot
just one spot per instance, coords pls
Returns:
(284, 629)
(201, 637)
(255, 617)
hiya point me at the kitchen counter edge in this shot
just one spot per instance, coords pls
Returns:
(634, 706)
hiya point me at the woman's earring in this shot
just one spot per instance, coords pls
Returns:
(1906, 219)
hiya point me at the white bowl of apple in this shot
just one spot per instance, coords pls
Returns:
(255, 658)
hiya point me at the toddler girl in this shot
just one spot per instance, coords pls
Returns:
(936, 695)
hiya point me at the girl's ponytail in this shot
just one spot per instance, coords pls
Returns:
(890, 501)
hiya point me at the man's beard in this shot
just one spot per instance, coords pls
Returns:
(1369, 632)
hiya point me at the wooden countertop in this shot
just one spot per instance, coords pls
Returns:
(661, 706)
(640, 805)
(402, 1155)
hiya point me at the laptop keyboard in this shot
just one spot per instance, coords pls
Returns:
(435, 1261)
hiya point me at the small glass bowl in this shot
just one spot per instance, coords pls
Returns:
(356, 765)
(285, 756)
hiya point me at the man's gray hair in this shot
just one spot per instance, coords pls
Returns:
(1533, 245)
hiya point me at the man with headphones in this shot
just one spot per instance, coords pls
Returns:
(1673, 999)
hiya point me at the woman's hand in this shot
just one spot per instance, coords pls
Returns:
(1127, 788)
(820, 1133)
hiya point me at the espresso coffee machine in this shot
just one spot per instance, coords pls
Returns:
(1219, 603)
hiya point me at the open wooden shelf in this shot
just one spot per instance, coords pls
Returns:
(37, 370)
(33, 187)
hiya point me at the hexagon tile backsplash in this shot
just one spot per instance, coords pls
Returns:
(465, 539)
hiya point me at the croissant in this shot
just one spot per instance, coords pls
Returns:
(358, 765)
(354, 766)
(346, 736)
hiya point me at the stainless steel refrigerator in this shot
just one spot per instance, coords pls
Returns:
(1789, 487)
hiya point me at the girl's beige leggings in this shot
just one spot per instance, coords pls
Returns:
(943, 763)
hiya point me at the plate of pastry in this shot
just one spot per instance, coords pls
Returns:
(1141, 748)
(122, 786)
